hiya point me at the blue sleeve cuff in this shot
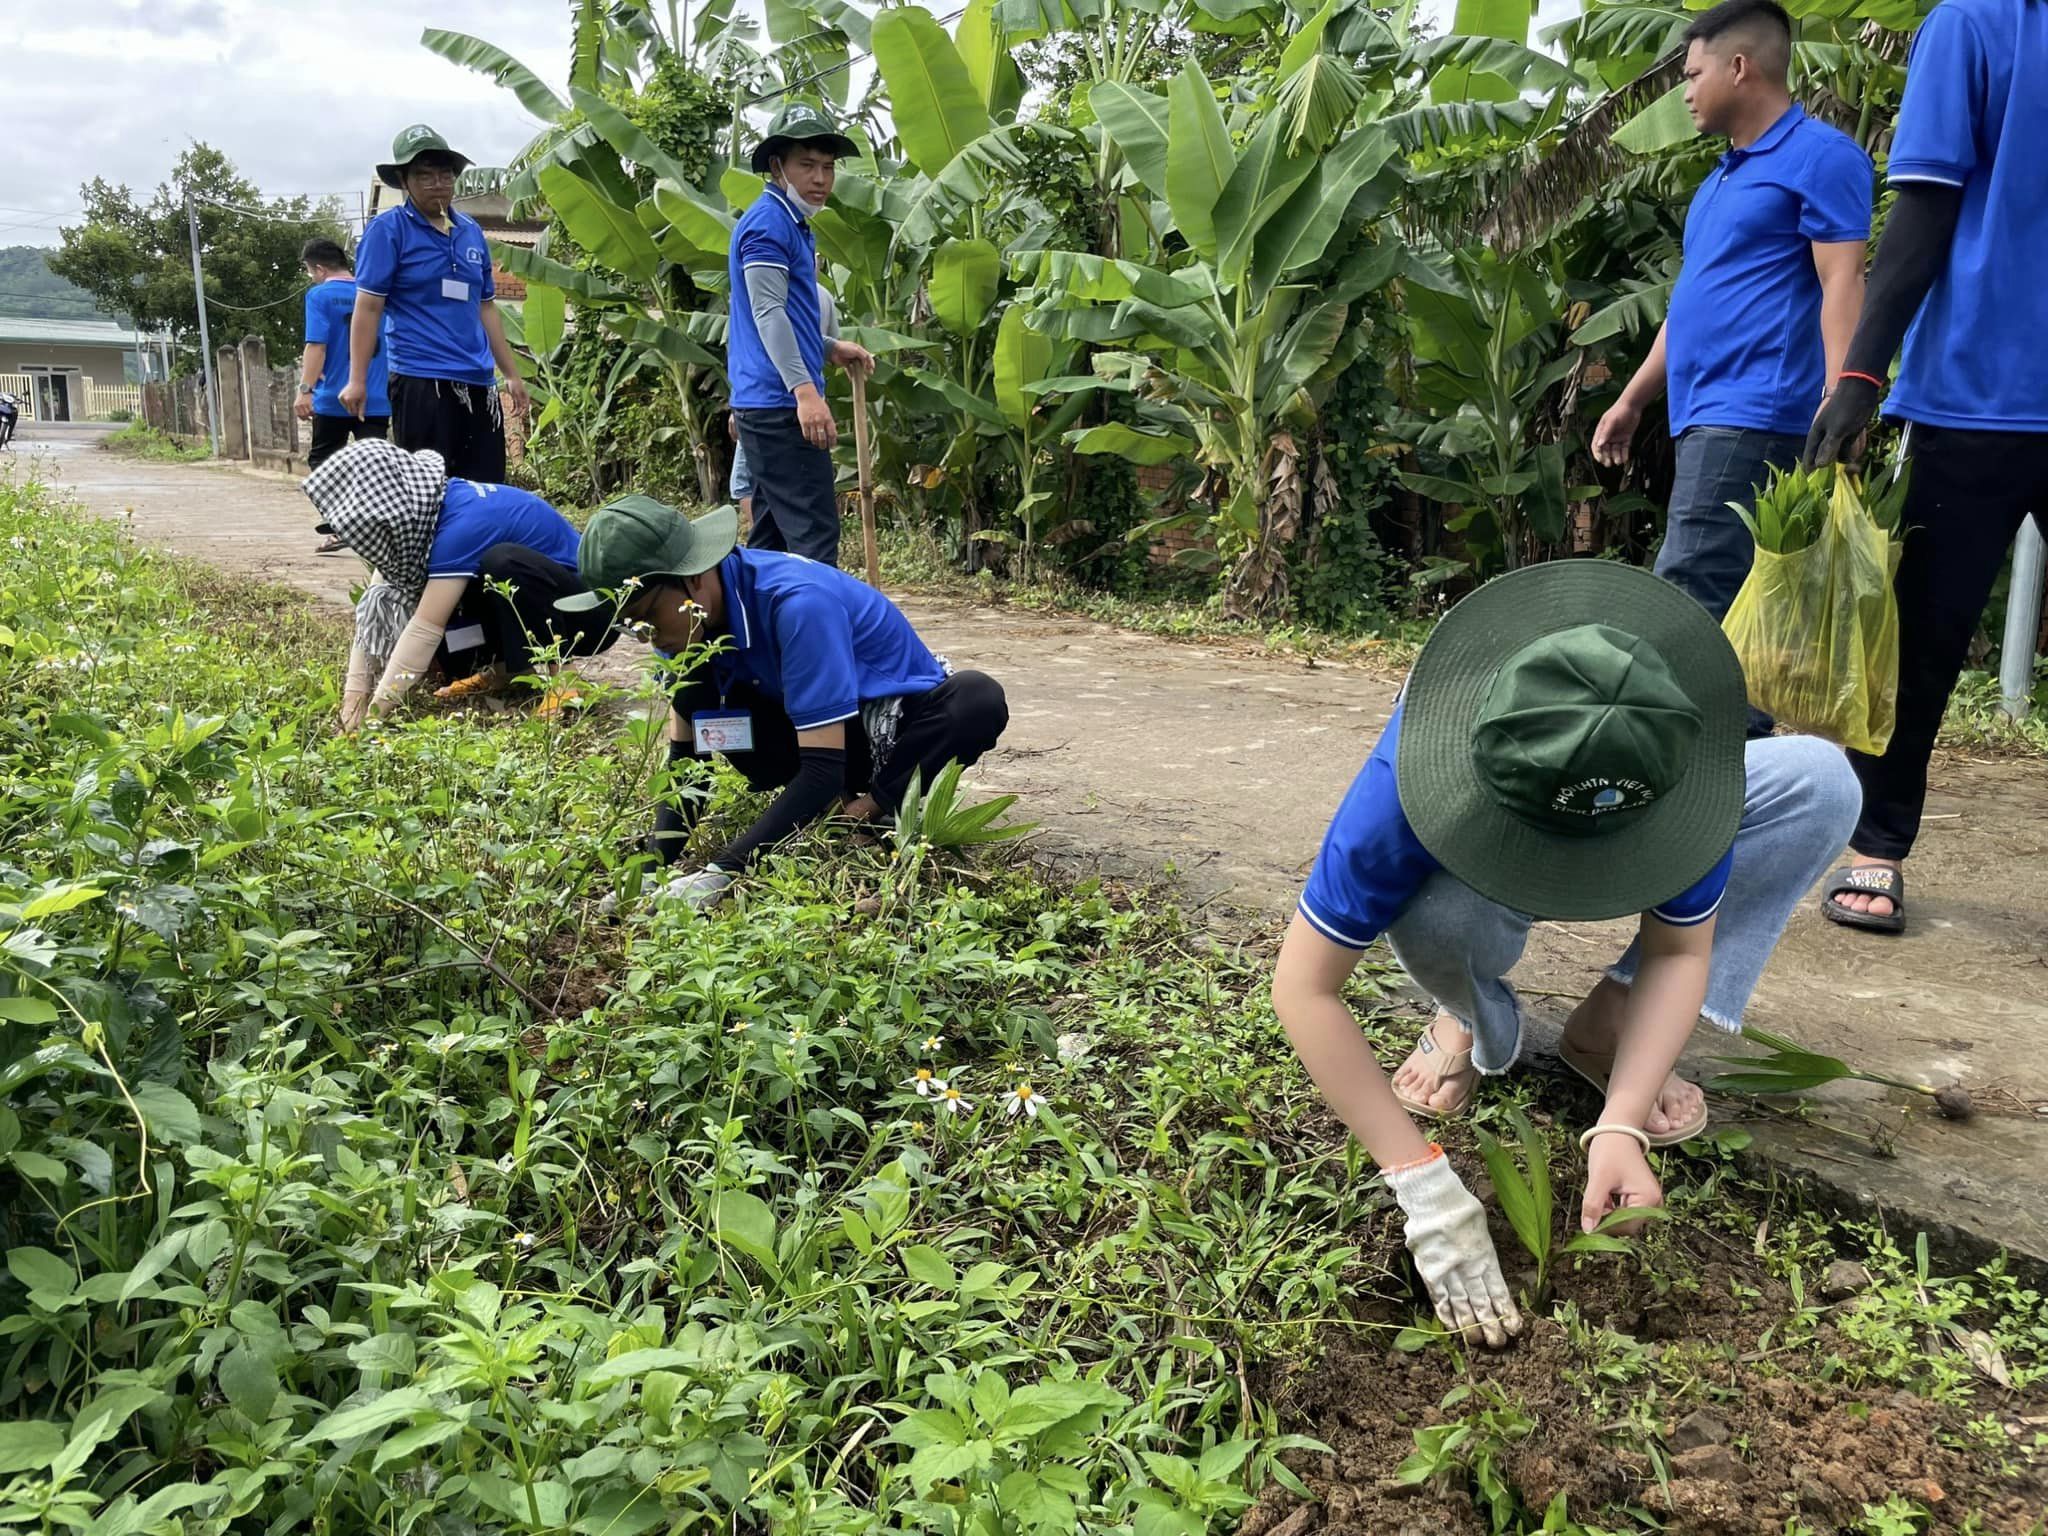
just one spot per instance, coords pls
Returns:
(1925, 170)
(1331, 932)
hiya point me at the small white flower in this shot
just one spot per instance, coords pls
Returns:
(798, 1033)
(524, 1241)
(954, 1102)
(931, 1043)
(1073, 1047)
(926, 1082)
(1024, 1100)
(740, 1026)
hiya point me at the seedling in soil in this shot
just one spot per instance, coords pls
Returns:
(1791, 1068)
(1525, 1198)
(937, 817)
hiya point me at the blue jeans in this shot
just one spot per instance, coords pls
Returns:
(739, 485)
(1801, 802)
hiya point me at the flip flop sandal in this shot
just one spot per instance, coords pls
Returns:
(1596, 1066)
(1866, 880)
(1439, 1064)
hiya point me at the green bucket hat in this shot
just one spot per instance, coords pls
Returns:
(1572, 741)
(410, 144)
(632, 538)
(798, 122)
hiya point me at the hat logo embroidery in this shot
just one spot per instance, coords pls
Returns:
(1598, 796)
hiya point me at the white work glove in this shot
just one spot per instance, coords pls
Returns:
(703, 890)
(1447, 1235)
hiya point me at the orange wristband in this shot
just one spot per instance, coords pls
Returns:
(1428, 1157)
(1850, 373)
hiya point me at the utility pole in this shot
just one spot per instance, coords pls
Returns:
(205, 340)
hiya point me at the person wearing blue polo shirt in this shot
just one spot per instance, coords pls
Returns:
(1569, 745)
(1958, 278)
(323, 367)
(467, 578)
(776, 342)
(818, 687)
(1765, 302)
(423, 275)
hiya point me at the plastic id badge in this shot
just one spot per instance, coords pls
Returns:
(467, 638)
(455, 288)
(723, 731)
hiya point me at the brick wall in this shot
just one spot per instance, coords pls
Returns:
(1154, 481)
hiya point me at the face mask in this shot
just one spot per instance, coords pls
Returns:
(807, 209)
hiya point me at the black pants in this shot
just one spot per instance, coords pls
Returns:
(1968, 494)
(464, 423)
(331, 434)
(955, 723)
(795, 505)
(517, 623)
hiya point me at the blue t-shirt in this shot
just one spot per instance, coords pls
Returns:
(1372, 863)
(774, 235)
(474, 516)
(1974, 103)
(1742, 340)
(821, 641)
(434, 287)
(329, 307)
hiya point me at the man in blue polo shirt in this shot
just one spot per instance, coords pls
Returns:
(1960, 264)
(777, 348)
(323, 366)
(423, 275)
(1765, 303)
(819, 688)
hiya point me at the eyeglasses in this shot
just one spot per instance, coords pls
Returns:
(430, 173)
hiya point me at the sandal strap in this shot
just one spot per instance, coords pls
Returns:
(1868, 880)
(1438, 1062)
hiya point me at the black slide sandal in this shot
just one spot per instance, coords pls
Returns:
(1866, 880)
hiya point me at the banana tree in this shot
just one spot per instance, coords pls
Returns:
(1486, 363)
(1219, 354)
(538, 326)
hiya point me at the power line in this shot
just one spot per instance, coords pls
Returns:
(250, 309)
(848, 62)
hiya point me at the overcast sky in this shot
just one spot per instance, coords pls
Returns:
(303, 96)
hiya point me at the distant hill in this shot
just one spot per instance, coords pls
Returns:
(29, 288)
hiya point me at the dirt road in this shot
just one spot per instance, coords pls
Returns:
(1214, 769)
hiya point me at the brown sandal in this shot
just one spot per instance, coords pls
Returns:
(1440, 1065)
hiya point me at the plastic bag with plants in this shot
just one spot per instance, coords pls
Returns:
(1816, 624)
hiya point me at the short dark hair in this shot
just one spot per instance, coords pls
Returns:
(1760, 28)
(323, 252)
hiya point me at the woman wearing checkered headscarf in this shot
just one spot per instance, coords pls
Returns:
(465, 573)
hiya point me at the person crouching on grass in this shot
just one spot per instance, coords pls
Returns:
(1569, 746)
(467, 575)
(818, 685)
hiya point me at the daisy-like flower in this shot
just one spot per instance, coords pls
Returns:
(954, 1102)
(524, 1241)
(798, 1033)
(931, 1043)
(926, 1082)
(1024, 1100)
(739, 1026)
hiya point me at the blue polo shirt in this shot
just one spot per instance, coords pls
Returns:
(1372, 863)
(434, 287)
(774, 235)
(1975, 355)
(821, 641)
(475, 516)
(329, 307)
(1742, 340)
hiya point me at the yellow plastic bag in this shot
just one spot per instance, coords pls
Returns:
(1817, 629)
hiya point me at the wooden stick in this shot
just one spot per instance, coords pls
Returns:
(864, 457)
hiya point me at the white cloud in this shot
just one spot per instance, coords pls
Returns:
(304, 98)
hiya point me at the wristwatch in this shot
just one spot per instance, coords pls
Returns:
(305, 389)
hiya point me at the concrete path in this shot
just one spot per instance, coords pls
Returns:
(1214, 769)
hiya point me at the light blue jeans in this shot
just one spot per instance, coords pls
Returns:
(740, 484)
(1801, 805)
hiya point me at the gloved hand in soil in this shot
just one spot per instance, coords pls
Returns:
(703, 890)
(1447, 1235)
